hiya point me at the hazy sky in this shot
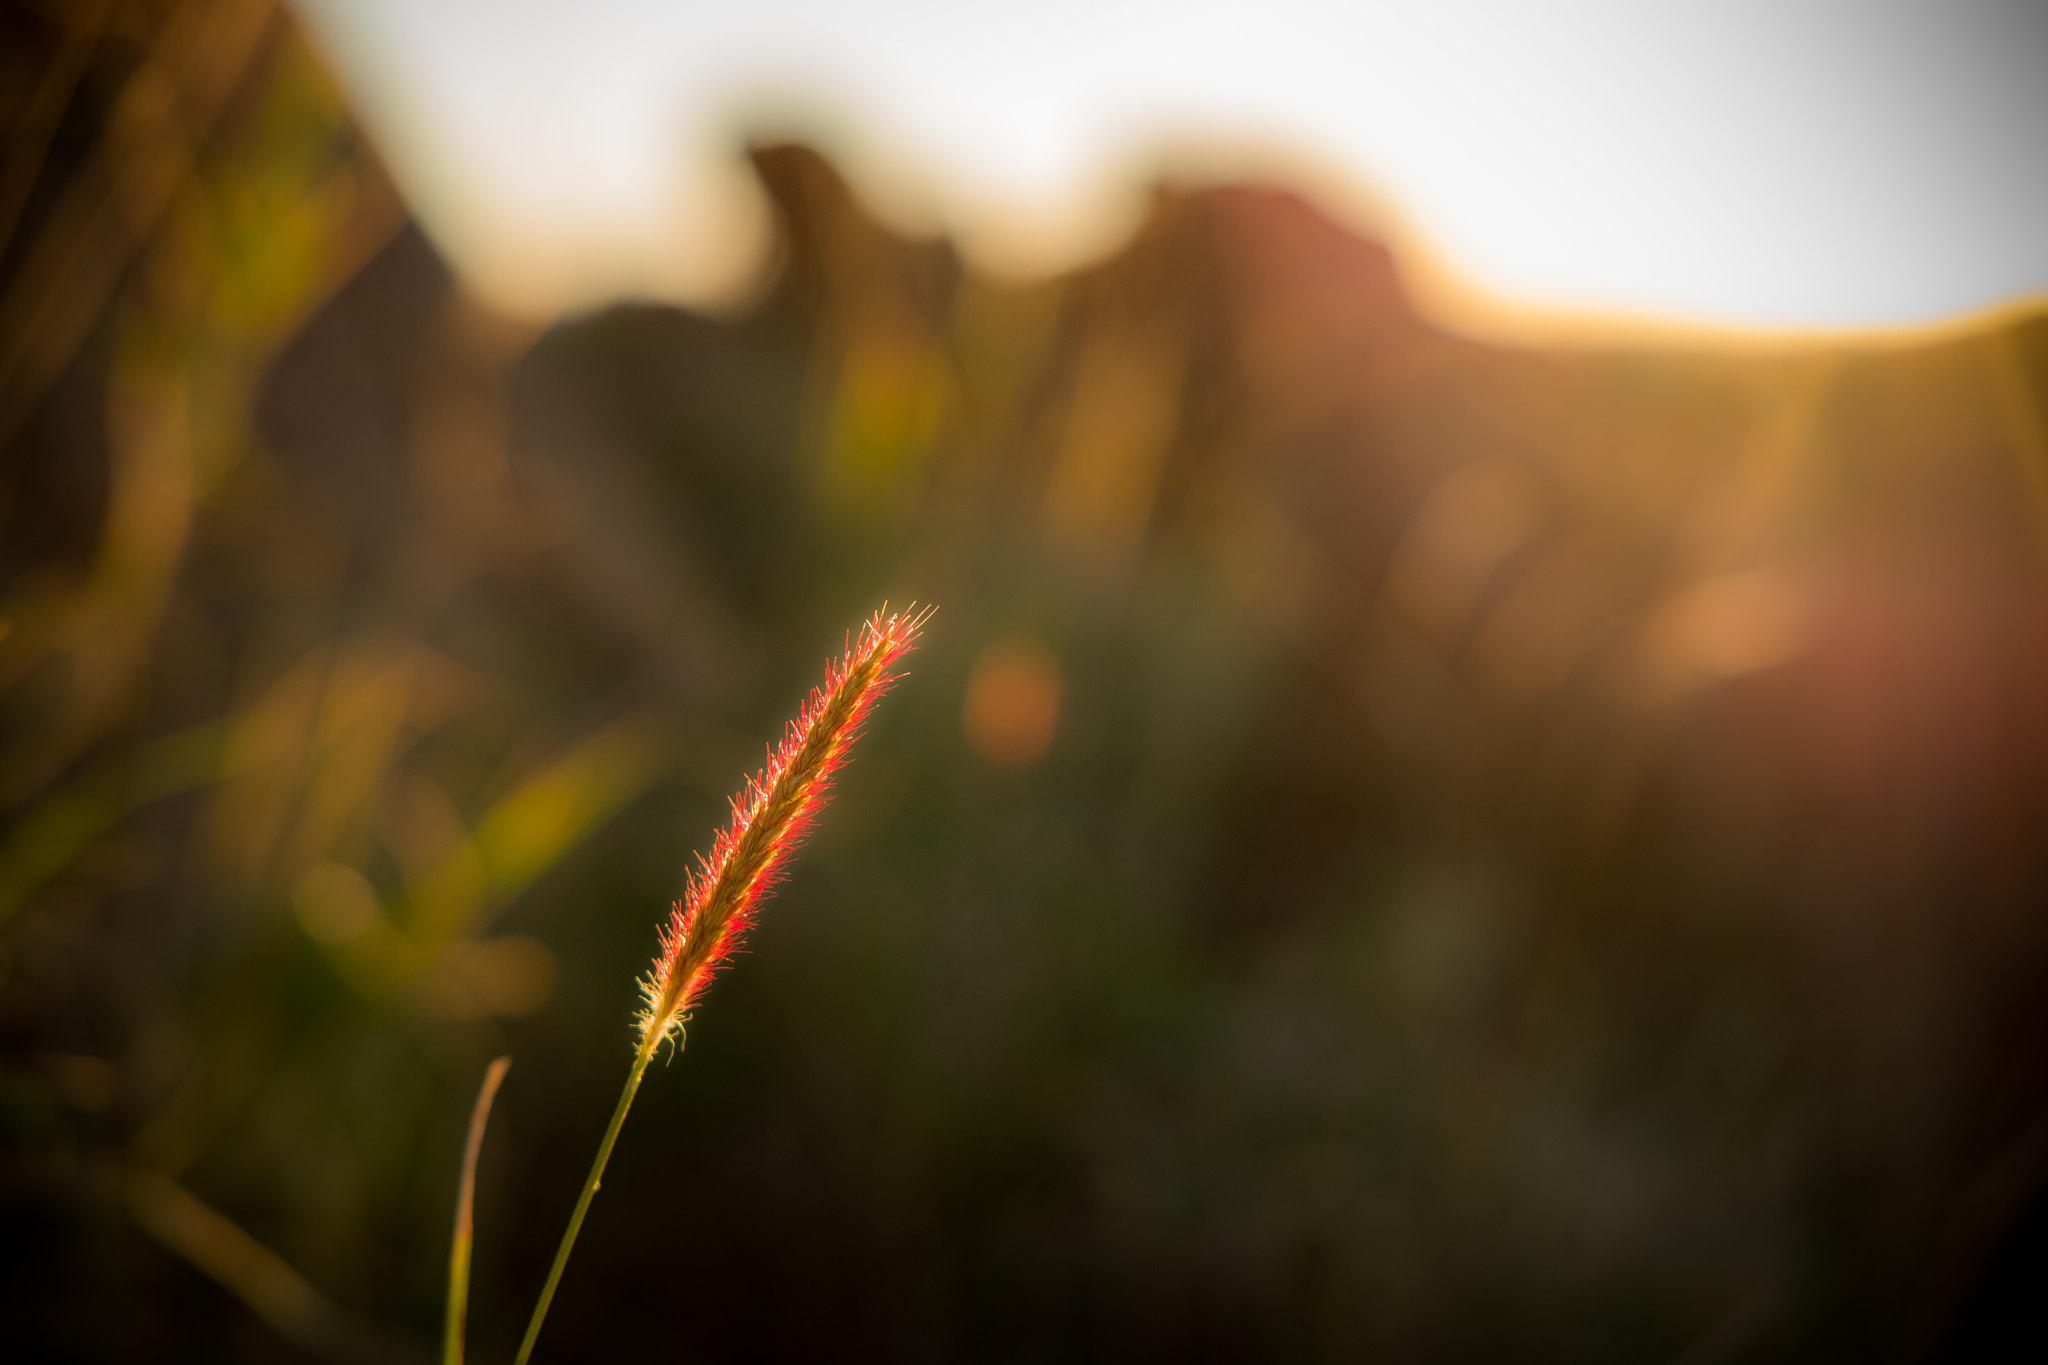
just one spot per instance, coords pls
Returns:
(1757, 163)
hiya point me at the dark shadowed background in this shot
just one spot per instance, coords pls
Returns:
(1394, 847)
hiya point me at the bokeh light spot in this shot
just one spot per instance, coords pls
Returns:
(1727, 626)
(1013, 704)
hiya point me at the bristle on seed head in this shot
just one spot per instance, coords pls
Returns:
(770, 816)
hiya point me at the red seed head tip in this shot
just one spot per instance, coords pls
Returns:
(770, 814)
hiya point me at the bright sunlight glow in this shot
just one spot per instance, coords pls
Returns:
(1762, 164)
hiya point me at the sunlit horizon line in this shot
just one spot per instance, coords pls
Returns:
(536, 288)
(1574, 172)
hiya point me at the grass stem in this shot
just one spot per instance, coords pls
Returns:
(590, 1184)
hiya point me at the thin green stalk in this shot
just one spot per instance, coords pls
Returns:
(604, 1154)
(465, 1207)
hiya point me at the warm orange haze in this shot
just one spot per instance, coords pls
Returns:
(1405, 842)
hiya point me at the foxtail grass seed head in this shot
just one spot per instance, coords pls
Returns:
(769, 817)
